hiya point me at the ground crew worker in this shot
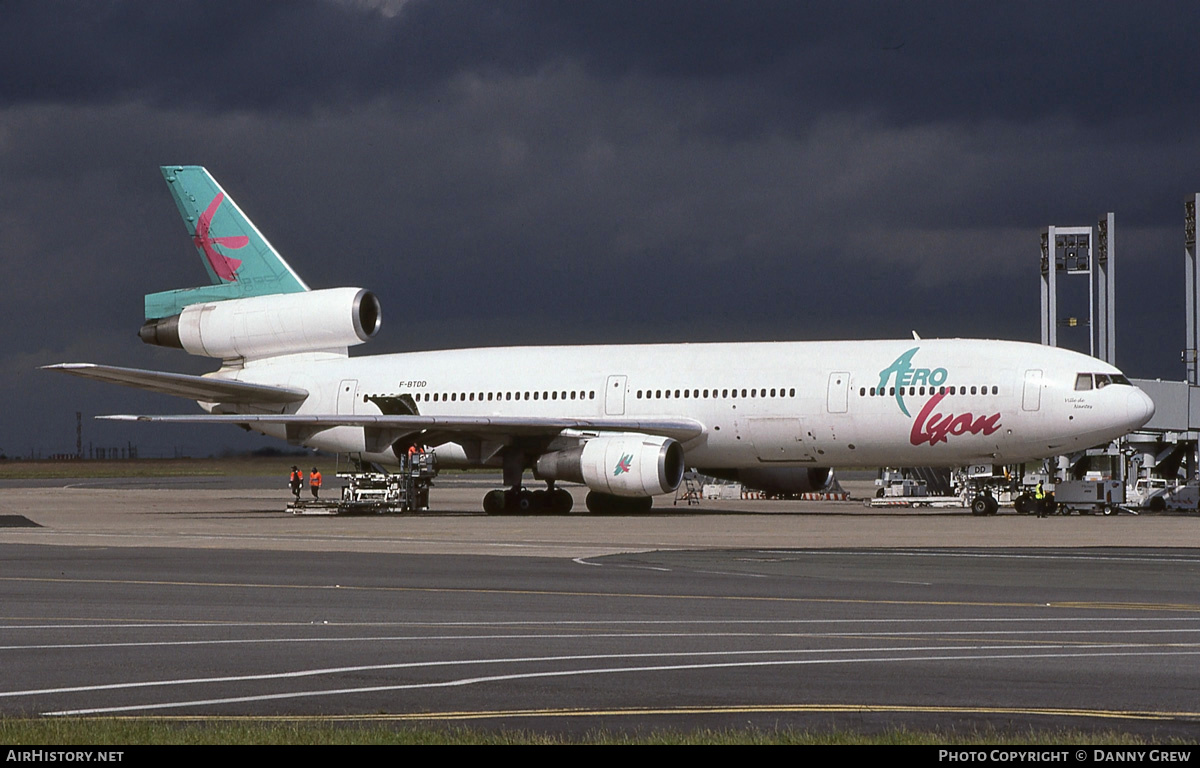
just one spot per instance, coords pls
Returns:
(297, 481)
(314, 482)
(1039, 498)
(414, 455)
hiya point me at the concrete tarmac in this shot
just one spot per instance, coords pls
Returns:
(225, 514)
(206, 598)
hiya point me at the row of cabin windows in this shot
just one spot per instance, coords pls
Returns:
(883, 391)
(453, 397)
(666, 394)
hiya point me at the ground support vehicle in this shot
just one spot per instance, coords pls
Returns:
(375, 492)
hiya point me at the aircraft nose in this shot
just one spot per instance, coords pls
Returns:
(1139, 408)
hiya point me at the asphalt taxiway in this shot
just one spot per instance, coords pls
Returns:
(205, 598)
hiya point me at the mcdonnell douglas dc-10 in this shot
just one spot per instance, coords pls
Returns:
(624, 420)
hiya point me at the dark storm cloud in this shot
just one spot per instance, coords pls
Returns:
(565, 172)
(904, 62)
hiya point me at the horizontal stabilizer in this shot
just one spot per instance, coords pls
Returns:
(203, 388)
(678, 428)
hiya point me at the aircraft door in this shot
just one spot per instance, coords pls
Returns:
(838, 396)
(345, 398)
(1032, 399)
(614, 396)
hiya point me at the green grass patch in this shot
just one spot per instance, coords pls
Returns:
(116, 731)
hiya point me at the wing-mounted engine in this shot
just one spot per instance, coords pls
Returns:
(328, 320)
(620, 465)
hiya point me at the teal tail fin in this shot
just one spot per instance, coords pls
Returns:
(239, 260)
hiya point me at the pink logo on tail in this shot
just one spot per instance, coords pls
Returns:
(225, 267)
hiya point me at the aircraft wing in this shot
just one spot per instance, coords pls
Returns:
(204, 388)
(681, 429)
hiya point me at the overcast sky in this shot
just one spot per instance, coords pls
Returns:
(568, 172)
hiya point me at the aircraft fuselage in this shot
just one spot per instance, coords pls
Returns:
(835, 403)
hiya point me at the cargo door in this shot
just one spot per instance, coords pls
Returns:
(779, 439)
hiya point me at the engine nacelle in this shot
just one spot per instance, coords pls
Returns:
(776, 479)
(621, 465)
(266, 326)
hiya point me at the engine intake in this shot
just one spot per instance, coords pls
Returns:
(266, 326)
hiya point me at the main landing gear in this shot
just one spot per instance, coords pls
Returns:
(521, 501)
(518, 500)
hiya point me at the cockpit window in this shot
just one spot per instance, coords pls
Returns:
(1084, 381)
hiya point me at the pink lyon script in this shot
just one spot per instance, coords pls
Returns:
(225, 267)
(933, 428)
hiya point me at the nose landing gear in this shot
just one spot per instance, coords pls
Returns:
(984, 504)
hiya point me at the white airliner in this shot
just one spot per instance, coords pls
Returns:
(624, 420)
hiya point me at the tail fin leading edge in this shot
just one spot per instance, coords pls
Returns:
(239, 260)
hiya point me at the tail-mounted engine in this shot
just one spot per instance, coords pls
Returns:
(267, 326)
(621, 465)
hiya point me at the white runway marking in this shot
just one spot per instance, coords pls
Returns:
(583, 561)
(1107, 652)
(84, 624)
(845, 634)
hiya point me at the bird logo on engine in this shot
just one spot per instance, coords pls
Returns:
(624, 465)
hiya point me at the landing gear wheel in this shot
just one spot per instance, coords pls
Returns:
(599, 503)
(984, 505)
(561, 501)
(493, 503)
(524, 502)
(1024, 504)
